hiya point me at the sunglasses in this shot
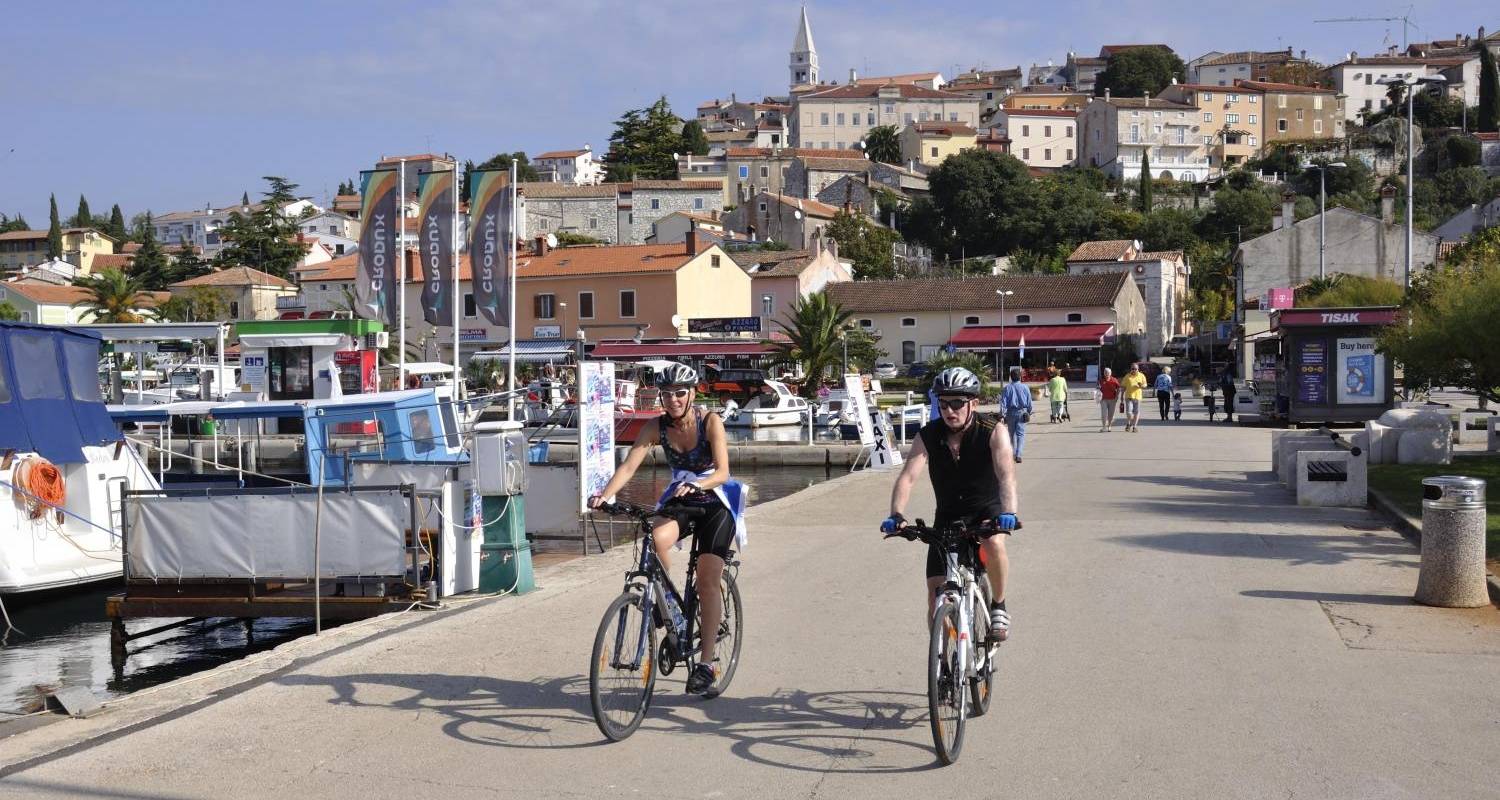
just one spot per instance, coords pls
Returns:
(680, 394)
(953, 405)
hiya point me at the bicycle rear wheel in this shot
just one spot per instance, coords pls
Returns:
(982, 684)
(623, 672)
(947, 693)
(727, 646)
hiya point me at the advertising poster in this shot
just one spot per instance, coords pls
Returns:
(435, 192)
(854, 385)
(375, 283)
(253, 372)
(596, 428)
(1360, 374)
(491, 241)
(1312, 373)
(884, 453)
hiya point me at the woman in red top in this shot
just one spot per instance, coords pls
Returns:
(1109, 393)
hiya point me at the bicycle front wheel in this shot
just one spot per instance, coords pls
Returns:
(947, 692)
(982, 683)
(727, 646)
(623, 672)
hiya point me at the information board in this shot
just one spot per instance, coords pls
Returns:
(1312, 373)
(1361, 372)
(596, 428)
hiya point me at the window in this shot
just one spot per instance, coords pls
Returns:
(1047, 131)
(1135, 113)
(1047, 154)
(1025, 153)
(908, 322)
(1025, 130)
(934, 152)
(908, 351)
(744, 171)
(593, 222)
(867, 323)
(1253, 119)
(765, 171)
(923, 115)
(655, 203)
(697, 204)
(234, 309)
(585, 305)
(839, 117)
(627, 302)
(1232, 119)
(1317, 102)
(1075, 317)
(1281, 124)
(762, 206)
(1181, 135)
(870, 119)
(890, 108)
(1318, 128)
(471, 309)
(1069, 132)
(714, 260)
(1254, 99)
(1156, 114)
(1299, 115)
(1022, 319)
(544, 306)
(1070, 154)
(971, 320)
(1369, 78)
(906, 118)
(767, 305)
(1135, 134)
(1252, 141)
(824, 118)
(1233, 97)
(40, 376)
(1281, 101)
(83, 370)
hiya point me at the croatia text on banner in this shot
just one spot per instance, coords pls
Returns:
(435, 244)
(491, 201)
(379, 255)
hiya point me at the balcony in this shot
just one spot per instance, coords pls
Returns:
(291, 302)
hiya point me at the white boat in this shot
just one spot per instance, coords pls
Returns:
(64, 463)
(781, 407)
(835, 409)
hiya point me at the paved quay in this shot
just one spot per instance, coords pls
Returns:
(1182, 629)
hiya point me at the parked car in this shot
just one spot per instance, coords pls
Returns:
(1177, 346)
(918, 370)
(885, 369)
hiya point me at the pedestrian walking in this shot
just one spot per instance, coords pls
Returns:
(1177, 405)
(1210, 402)
(1015, 409)
(1164, 391)
(1057, 392)
(1226, 385)
(1132, 388)
(1109, 393)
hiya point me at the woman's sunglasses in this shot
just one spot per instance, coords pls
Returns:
(680, 394)
(953, 405)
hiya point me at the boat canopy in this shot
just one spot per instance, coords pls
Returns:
(49, 392)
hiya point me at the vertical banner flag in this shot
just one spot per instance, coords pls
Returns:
(435, 244)
(490, 242)
(379, 253)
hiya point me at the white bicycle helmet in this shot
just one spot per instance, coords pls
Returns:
(956, 380)
(676, 375)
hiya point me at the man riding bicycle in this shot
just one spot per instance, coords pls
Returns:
(698, 452)
(968, 458)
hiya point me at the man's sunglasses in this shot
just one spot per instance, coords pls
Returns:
(953, 405)
(680, 394)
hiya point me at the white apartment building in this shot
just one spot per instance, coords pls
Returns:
(1116, 133)
(1358, 79)
(838, 118)
(201, 227)
(1044, 138)
(577, 167)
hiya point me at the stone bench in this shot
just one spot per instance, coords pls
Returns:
(1492, 435)
(1288, 446)
(1422, 436)
(1336, 477)
(1467, 435)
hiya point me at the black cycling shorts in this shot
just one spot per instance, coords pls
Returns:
(714, 531)
(936, 564)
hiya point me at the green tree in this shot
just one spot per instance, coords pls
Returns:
(9, 312)
(1451, 337)
(138, 223)
(1489, 91)
(1344, 291)
(971, 361)
(197, 304)
(571, 239)
(151, 268)
(266, 238)
(83, 218)
(54, 232)
(1245, 213)
(645, 143)
(813, 346)
(693, 138)
(16, 223)
(186, 262)
(1168, 229)
(116, 227)
(1145, 187)
(987, 200)
(866, 245)
(113, 296)
(1298, 73)
(883, 144)
(1139, 71)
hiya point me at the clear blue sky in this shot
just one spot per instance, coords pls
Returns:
(166, 105)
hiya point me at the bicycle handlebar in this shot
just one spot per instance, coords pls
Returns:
(921, 531)
(674, 511)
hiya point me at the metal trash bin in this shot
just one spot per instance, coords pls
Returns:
(1453, 528)
(505, 555)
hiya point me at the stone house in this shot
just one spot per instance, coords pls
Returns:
(1045, 138)
(577, 167)
(928, 143)
(641, 203)
(806, 176)
(839, 117)
(248, 293)
(1114, 133)
(1470, 221)
(794, 221)
(1358, 79)
(562, 207)
(1297, 113)
(1160, 277)
(1244, 65)
(1357, 244)
(1231, 125)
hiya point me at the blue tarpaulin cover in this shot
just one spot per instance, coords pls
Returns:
(49, 392)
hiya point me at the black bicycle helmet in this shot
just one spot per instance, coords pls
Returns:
(676, 375)
(956, 380)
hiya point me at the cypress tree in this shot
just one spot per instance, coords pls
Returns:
(1489, 91)
(54, 233)
(117, 223)
(83, 218)
(1145, 182)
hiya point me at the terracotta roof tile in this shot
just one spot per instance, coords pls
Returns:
(1105, 250)
(1284, 88)
(120, 261)
(911, 77)
(560, 154)
(1160, 255)
(1040, 112)
(1251, 57)
(943, 128)
(941, 294)
(565, 190)
(790, 152)
(772, 263)
(810, 207)
(237, 276)
(561, 262)
(52, 294)
(1142, 102)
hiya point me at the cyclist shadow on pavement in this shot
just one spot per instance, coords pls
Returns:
(854, 732)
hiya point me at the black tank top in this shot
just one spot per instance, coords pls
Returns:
(967, 488)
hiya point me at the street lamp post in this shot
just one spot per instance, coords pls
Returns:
(1411, 83)
(1004, 293)
(1323, 211)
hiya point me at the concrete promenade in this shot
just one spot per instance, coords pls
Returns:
(1182, 630)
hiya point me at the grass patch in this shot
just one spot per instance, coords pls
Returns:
(1402, 483)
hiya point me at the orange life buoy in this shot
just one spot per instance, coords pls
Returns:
(43, 483)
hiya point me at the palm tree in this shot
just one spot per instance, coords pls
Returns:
(113, 296)
(883, 144)
(813, 328)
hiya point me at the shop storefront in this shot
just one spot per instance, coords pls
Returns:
(1073, 349)
(1325, 365)
(308, 359)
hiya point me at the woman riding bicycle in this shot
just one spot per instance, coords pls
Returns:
(697, 450)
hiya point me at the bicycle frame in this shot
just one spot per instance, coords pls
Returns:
(653, 591)
(961, 587)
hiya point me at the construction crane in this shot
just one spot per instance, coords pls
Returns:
(1404, 19)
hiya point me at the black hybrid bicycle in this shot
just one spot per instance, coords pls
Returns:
(960, 656)
(627, 655)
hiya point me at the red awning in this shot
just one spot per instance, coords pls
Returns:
(987, 337)
(631, 350)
